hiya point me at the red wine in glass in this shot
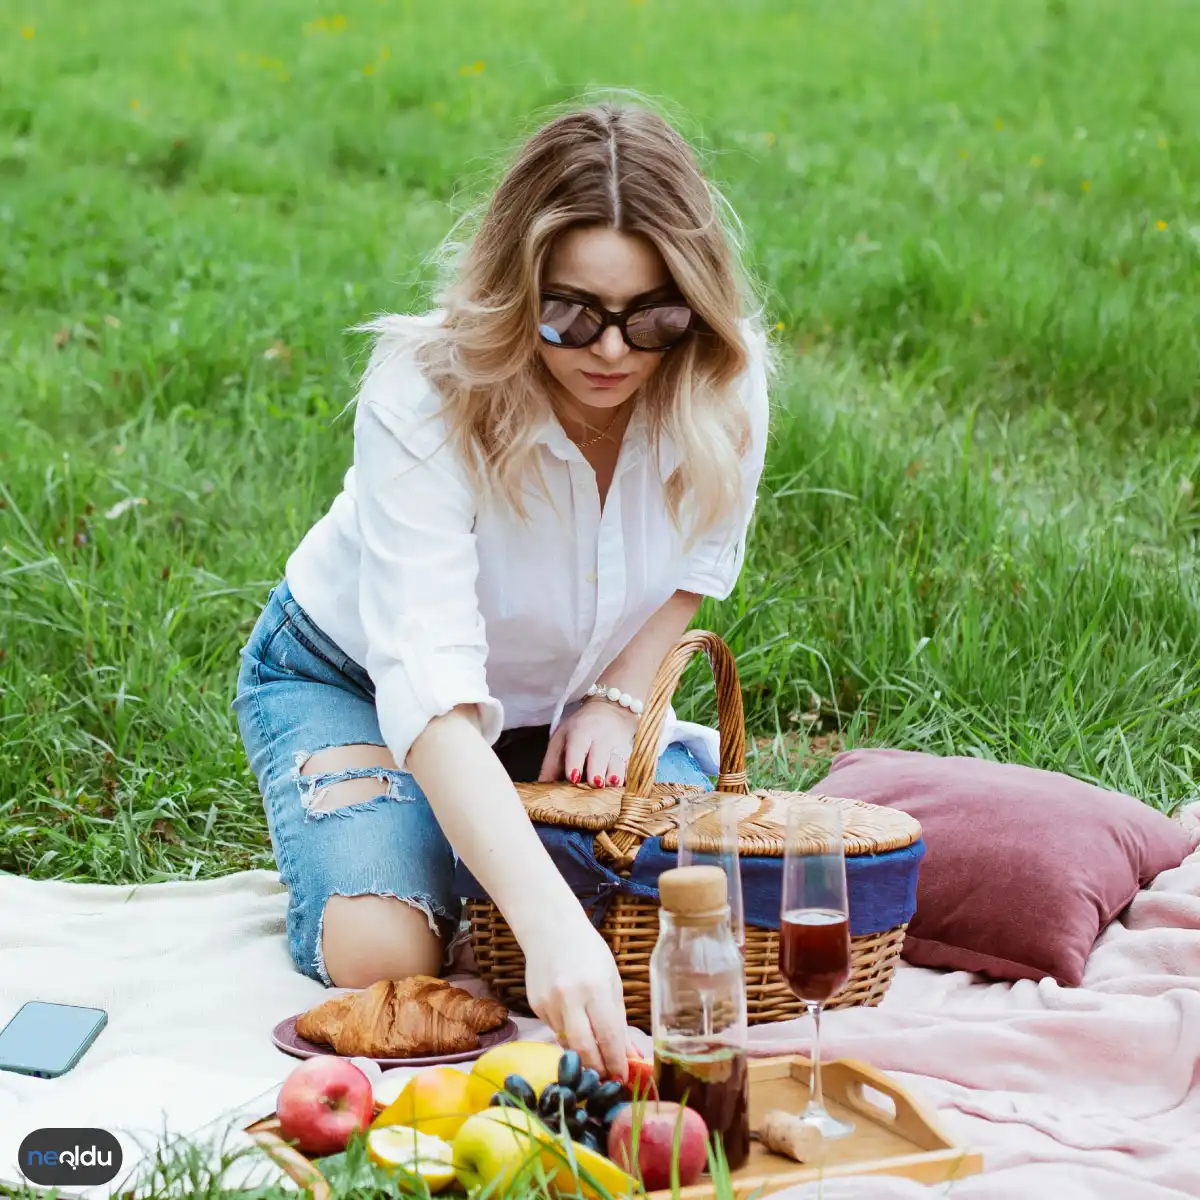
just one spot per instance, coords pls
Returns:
(814, 952)
(814, 930)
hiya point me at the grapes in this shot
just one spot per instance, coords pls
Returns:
(584, 1113)
(555, 1100)
(503, 1100)
(570, 1069)
(609, 1117)
(520, 1090)
(605, 1097)
(592, 1140)
(589, 1081)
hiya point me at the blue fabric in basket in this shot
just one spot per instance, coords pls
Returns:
(882, 887)
(573, 852)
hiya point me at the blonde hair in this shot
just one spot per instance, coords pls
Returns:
(621, 167)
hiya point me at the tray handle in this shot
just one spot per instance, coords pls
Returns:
(845, 1080)
(636, 803)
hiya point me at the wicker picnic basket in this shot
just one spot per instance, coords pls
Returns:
(622, 822)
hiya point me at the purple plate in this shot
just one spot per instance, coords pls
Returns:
(290, 1042)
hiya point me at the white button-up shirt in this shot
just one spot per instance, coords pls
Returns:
(447, 600)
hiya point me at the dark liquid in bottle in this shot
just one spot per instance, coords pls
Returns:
(814, 952)
(715, 1083)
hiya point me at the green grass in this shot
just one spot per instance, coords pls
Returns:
(977, 226)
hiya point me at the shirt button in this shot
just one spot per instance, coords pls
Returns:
(591, 577)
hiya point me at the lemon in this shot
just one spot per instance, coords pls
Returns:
(396, 1146)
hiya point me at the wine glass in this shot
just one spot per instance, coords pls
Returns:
(814, 929)
(708, 837)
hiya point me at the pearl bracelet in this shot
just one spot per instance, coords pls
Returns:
(624, 699)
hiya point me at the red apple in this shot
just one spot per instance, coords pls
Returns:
(656, 1142)
(322, 1102)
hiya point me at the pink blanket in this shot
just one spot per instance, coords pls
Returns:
(1080, 1093)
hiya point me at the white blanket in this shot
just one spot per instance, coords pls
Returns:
(194, 976)
(1092, 1092)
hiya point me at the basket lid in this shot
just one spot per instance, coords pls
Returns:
(762, 824)
(762, 816)
(577, 806)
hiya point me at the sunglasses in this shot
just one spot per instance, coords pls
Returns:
(572, 323)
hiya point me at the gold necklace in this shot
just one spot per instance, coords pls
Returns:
(593, 440)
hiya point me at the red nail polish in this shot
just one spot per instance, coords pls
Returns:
(574, 776)
(598, 782)
(614, 780)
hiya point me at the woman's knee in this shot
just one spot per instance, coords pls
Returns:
(368, 938)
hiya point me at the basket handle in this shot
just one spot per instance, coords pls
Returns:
(291, 1162)
(636, 802)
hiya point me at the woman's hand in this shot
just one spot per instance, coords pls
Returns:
(593, 745)
(574, 987)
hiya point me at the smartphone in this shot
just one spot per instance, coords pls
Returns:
(46, 1039)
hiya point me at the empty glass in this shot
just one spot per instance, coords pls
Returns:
(708, 837)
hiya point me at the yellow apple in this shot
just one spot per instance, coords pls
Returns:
(498, 1144)
(507, 1144)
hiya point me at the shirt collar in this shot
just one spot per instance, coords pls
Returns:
(634, 447)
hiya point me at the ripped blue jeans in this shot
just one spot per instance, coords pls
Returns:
(298, 693)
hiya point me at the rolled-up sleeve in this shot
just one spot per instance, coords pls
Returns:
(716, 559)
(426, 641)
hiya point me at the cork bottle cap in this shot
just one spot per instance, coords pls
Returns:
(693, 891)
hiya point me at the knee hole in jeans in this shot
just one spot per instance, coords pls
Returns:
(344, 777)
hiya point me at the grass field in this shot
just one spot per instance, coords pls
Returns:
(977, 227)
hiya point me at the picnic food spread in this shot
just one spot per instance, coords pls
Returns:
(452, 1123)
(652, 1145)
(407, 1018)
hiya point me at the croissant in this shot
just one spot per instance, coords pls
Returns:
(416, 1017)
(319, 1024)
(481, 1013)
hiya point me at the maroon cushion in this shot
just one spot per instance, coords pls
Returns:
(1023, 868)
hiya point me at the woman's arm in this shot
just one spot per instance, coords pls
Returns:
(594, 742)
(483, 818)
(634, 669)
(570, 974)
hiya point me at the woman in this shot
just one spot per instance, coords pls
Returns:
(549, 474)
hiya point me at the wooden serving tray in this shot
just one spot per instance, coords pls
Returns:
(893, 1135)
